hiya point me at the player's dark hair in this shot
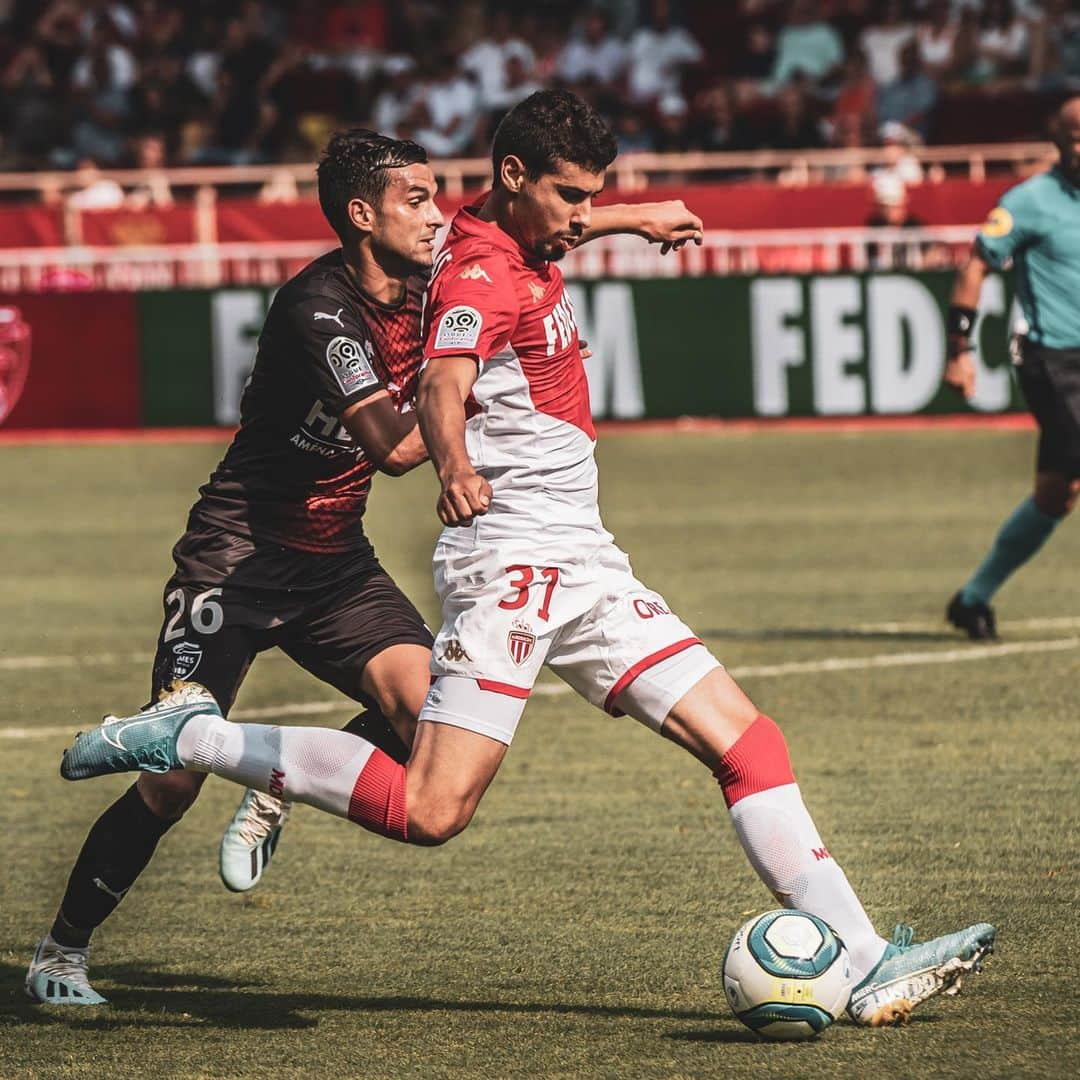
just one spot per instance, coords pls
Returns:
(355, 165)
(551, 126)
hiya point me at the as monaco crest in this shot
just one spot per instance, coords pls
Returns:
(520, 642)
(14, 358)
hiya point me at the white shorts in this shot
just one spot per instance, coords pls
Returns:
(506, 614)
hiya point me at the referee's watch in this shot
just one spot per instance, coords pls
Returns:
(959, 322)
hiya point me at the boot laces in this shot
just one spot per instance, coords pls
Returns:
(262, 814)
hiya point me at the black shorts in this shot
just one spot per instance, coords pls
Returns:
(1050, 380)
(231, 599)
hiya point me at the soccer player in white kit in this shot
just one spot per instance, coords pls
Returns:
(527, 576)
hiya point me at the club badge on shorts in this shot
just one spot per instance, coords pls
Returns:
(186, 657)
(520, 642)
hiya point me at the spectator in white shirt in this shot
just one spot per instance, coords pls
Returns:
(596, 57)
(1003, 40)
(486, 61)
(658, 53)
(446, 112)
(94, 192)
(107, 65)
(520, 83)
(936, 36)
(883, 40)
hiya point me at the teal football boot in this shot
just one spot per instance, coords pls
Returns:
(58, 976)
(144, 742)
(909, 973)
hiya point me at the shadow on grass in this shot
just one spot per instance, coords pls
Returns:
(825, 633)
(190, 998)
(717, 1035)
(743, 1035)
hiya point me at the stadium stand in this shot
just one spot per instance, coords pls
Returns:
(259, 81)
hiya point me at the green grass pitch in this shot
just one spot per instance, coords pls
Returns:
(577, 927)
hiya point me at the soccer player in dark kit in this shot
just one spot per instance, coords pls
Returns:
(275, 553)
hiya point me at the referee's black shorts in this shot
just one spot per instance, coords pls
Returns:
(1050, 380)
(232, 598)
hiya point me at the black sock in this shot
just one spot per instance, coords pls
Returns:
(115, 852)
(373, 726)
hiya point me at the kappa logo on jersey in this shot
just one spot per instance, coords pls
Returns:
(536, 291)
(455, 653)
(559, 326)
(186, 658)
(520, 642)
(475, 272)
(335, 318)
(459, 328)
(350, 366)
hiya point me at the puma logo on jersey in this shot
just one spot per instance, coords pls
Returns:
(475, 273)
(335, 318)
(455, 653)
(536, 290)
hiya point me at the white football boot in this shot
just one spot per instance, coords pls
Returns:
(58, 976)
(251, 839)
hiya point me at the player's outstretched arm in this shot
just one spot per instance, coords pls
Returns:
(669, 224)
(390, 439)
(440, 404)
(959, 354)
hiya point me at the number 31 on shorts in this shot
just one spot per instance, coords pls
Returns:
(521, 577)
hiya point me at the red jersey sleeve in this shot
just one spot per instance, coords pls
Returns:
(472, 308)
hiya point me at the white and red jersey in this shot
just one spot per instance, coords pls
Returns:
(529, 431)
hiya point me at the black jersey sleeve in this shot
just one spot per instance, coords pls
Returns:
(333, 351)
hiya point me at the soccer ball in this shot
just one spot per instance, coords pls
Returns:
(787, 975)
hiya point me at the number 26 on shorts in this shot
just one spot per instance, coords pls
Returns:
(520, 580)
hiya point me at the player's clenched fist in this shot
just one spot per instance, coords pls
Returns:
(465, 495)
(671, 225)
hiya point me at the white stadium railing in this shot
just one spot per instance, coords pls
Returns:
(630, 172)
(768, 251)
(208, 263)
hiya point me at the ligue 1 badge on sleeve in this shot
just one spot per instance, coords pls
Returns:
(520, 642)
(14, 358)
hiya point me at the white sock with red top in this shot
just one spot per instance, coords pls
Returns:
(335, 771)
(783, 845)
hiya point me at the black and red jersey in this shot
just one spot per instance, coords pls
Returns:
(292, 474)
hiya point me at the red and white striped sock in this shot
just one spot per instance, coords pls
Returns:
(335, 771)
(783, 845)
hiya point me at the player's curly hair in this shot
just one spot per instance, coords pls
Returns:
(551, 126)
(355, 165)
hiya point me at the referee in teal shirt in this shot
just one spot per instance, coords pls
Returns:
(1036, 229)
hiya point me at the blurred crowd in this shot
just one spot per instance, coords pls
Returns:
(88, 83)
